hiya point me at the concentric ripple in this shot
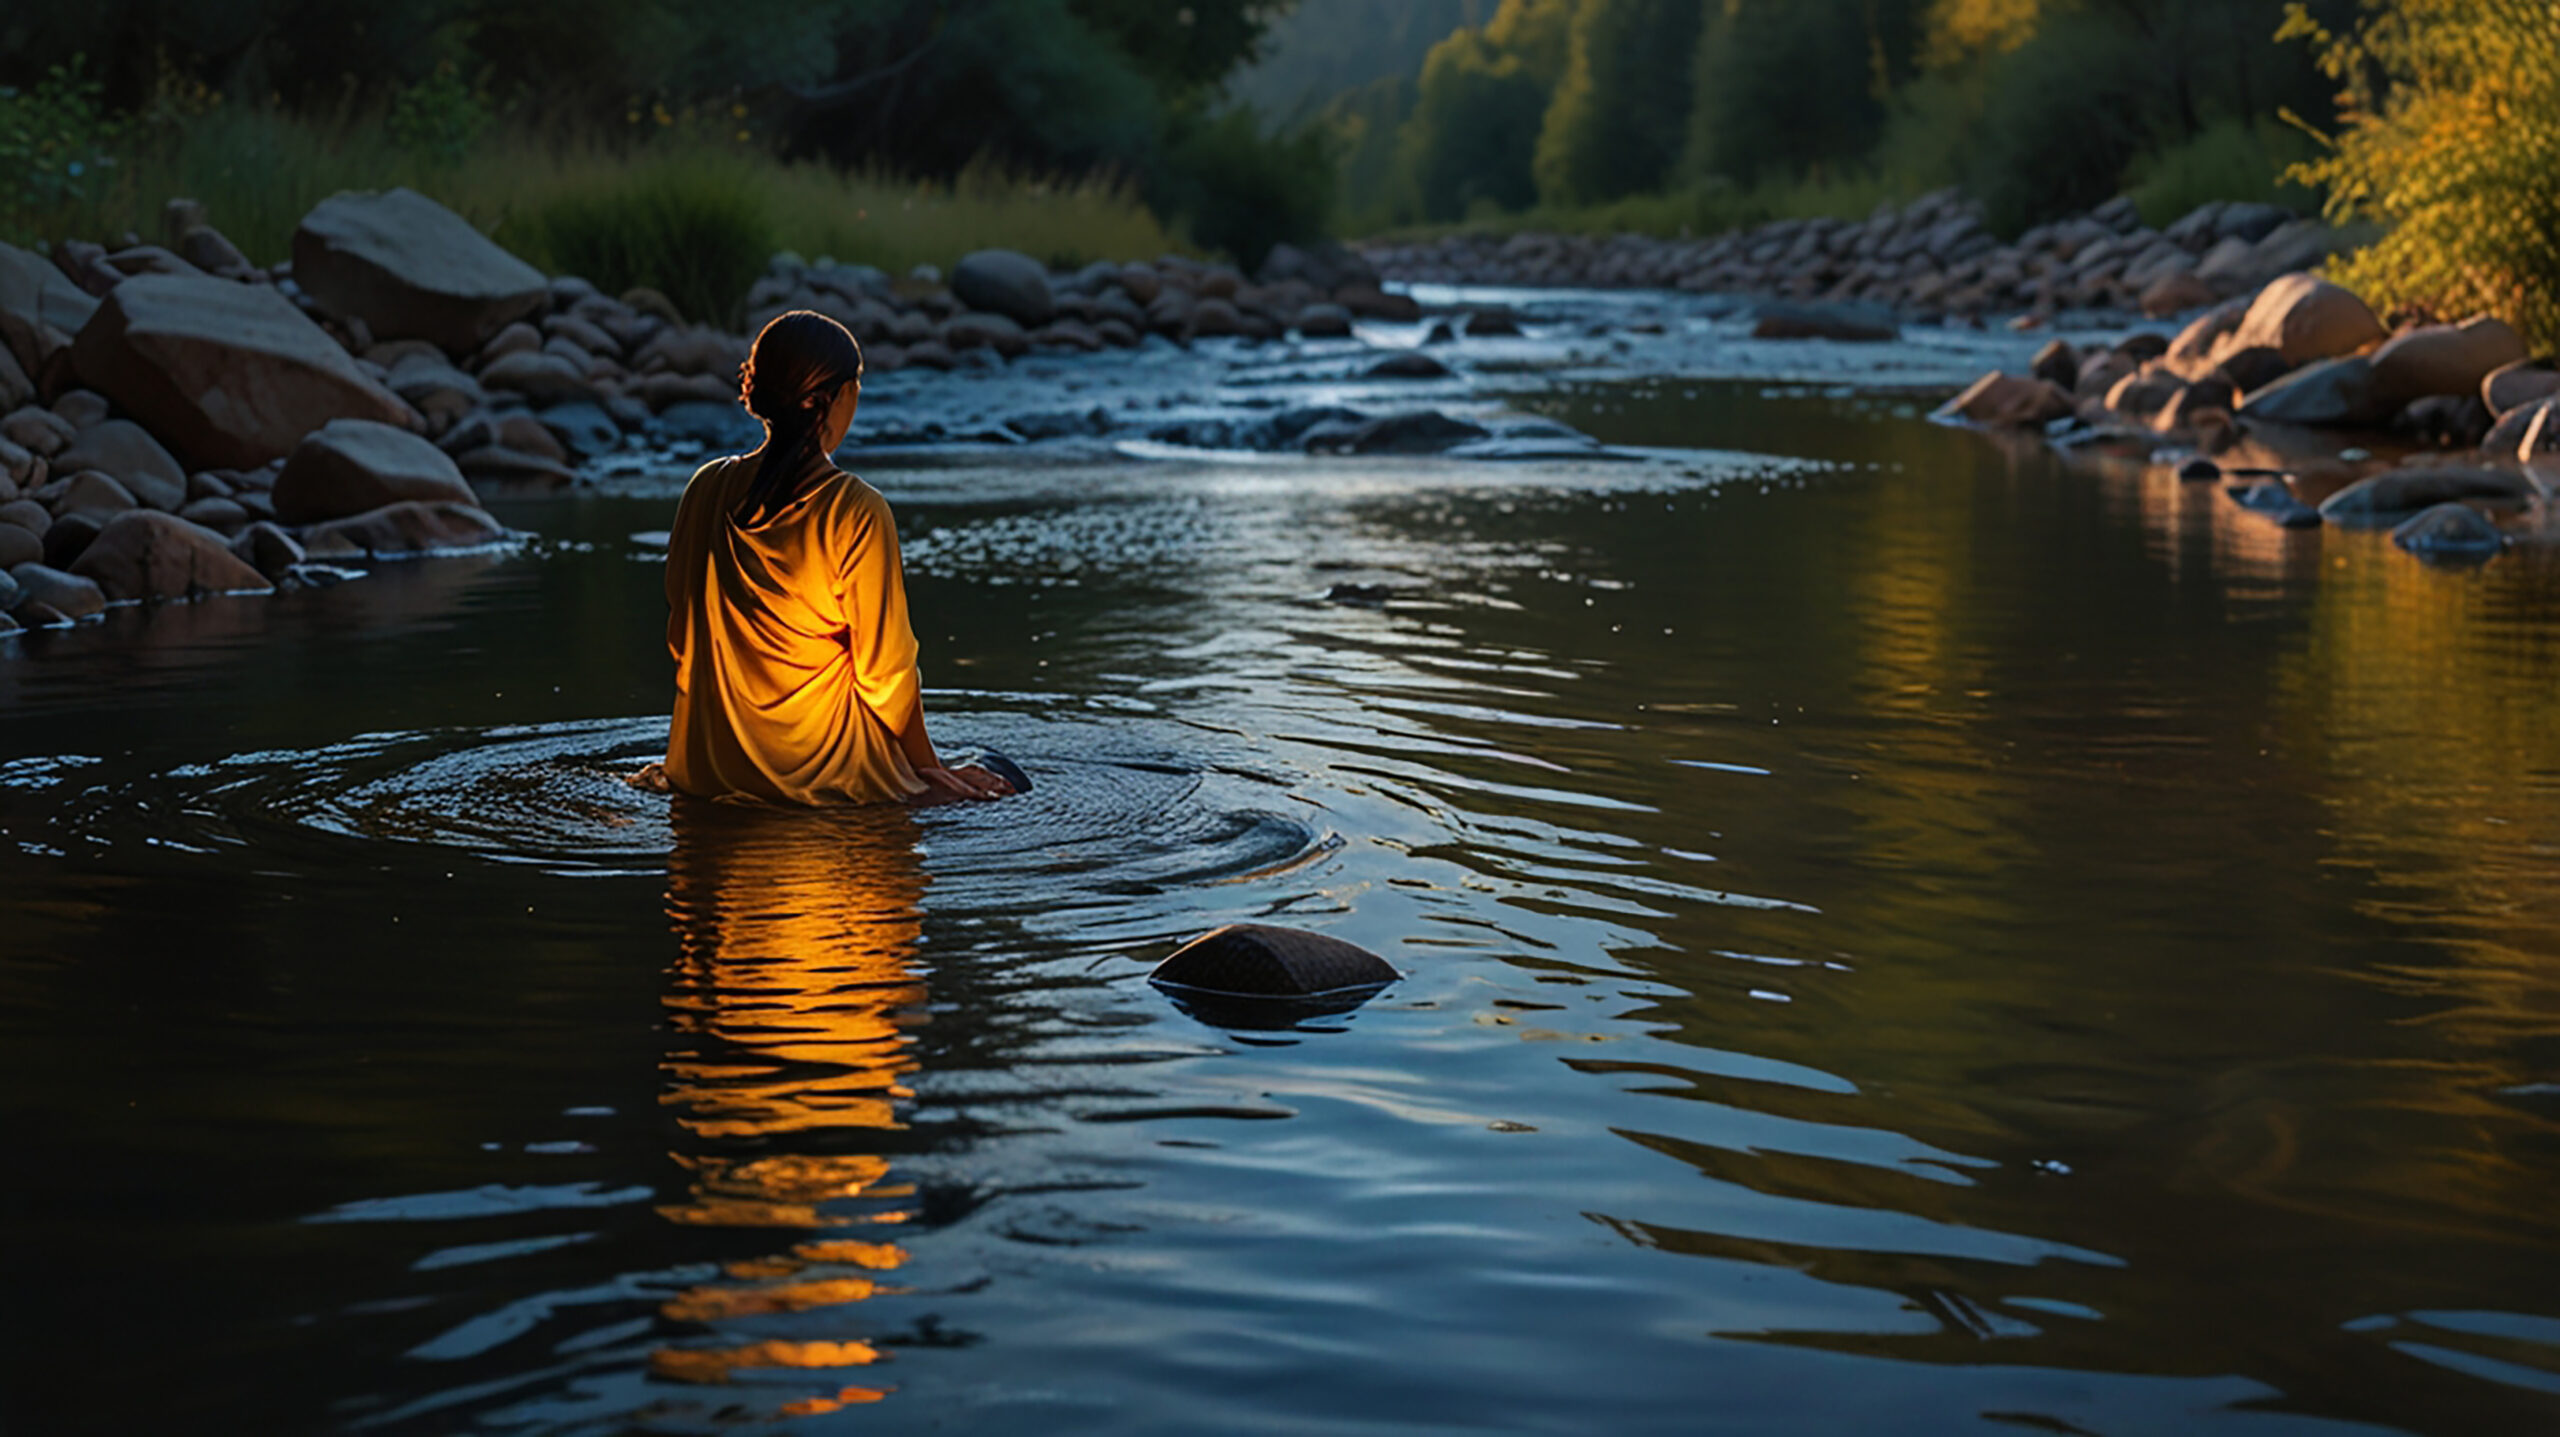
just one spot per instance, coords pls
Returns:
(1127, 808)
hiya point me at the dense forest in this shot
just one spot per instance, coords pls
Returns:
(722, 130)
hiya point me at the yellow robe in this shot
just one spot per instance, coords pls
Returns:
(795, 664)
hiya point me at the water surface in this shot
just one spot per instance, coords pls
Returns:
(1898, 936)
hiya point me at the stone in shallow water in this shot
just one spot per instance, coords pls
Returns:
(2450, 533)
(1257, 960)
(2390, 497)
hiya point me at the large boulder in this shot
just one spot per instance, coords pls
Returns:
(1006, 282)
(126, 450)
(412, 269)
(2335, 393)
(2445, 358)
(142, 555)
(399, 530)
(2394, 495)
(353, 466)
(228, 375)
(2304, 318)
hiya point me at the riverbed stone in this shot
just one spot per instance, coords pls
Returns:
(2276, 500)
(410, 268)
(2394, 495)
(2445, 358)
(540, 377)
(996, 331)
(352, 466)
(2306, 318)
(2009, 401)
(2455, 533)
(36, 297)
(399, 530)
(506, 464)
(1425, 431)
(70, 595)
(2332, 393)
(90, 490)
(1005, 282)
(585, 430)
(18, 545)
(126, 450)
(225, 375)
(1324, 321)
(267, 548)
(71, 534)
(41, 431)
(143, 555)
(1409, 364)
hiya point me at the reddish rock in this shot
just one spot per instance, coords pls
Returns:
(2008, 401)
(2445, 358)
(353, 466)
(2305, 318)
(410, 268)
(144, 555)
(397, 530)
(227, 375)
(268, 549)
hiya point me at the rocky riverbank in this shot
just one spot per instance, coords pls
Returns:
(1928, 260)
(2286, 393)
(176, 422)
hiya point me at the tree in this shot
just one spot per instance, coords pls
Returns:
(1619, 115)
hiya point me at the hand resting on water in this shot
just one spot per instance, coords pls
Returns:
(951, 785)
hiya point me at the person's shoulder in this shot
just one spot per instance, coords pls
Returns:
(856, 498)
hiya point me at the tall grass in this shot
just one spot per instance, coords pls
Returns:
(692, 215)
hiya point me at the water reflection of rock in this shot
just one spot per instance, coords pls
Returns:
(787, 1004)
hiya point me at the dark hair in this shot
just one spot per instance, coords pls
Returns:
(800, 359)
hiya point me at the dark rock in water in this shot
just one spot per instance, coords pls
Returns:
(584, 429)
(2390, 497)
(66, 595)
(1256, 960)
(1492, 322)
(1440, 332)
(1408, 365)
(1065, 425)
(2326, 393)
(1426, 431)
(2199, 470)
(2057, 363)
(2276, 500)
(1784, 319)
(2451, 421)
(1268, 432)
(2450, 533)
(2142, 347)
(1366, 596)
(721, 426)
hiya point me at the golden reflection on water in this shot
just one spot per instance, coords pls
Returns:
(791, 991)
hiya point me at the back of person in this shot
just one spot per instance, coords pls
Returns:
(795, 661)
(796, 672)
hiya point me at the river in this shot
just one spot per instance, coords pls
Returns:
(1898, 935)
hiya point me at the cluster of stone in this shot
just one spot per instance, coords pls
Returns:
(1931, 258)
(998, 304)
(2250, 376)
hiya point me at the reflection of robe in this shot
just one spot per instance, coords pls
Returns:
(795, 665)
(787, 1007)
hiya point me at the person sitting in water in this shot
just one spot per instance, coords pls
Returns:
(787, 609)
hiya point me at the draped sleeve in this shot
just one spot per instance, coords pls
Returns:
(873, 587)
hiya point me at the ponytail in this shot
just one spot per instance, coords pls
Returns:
(800, 361)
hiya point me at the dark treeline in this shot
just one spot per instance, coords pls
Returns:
(916, 87)
(2037, 107)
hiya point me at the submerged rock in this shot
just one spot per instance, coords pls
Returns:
(2455, 533)
(2390, 497)
(1426, 431)
(1785, 319)
(2276, 500)
(1256, 960)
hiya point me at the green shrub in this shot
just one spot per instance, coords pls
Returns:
(56, 142)
(697, 230)
(2227, 160)
(1616, 124)
(441, 118)
(2451, 137)
(2063, 116)
(1240, 189)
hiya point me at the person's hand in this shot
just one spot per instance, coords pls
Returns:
(968, 781)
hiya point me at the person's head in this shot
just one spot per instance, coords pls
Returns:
(803, 378)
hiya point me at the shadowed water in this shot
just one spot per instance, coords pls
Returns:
(1897, 936)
